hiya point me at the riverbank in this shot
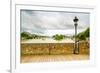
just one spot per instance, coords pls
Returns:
(47, 40)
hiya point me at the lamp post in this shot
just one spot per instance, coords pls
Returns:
(76, 49)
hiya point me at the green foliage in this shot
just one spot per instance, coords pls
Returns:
(58, 37)
(84, 35)
(81, 36)
(26, 35)
(87, 32)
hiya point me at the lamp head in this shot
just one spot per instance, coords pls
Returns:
(75, 19)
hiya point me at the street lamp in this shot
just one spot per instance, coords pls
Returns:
(76, 49)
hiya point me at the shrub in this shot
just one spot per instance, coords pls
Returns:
(26, 35)
(58, 37)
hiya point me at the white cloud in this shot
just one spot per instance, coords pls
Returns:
(45, 22)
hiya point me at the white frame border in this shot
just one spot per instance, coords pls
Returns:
(14, 56)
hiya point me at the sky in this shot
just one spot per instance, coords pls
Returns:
(52, 22)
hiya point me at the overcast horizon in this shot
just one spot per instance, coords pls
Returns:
(50, 23)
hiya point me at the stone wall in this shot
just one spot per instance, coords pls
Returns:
(52, 48)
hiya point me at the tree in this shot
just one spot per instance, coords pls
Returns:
(58, 37)
(26, 35)
(83, 35)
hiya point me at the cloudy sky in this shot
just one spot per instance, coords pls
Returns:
(50, 23)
